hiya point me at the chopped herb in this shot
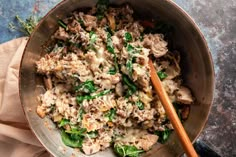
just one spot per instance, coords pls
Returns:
(111, 114)
(62, 24)
(81, 98)
(72, 140)
(128, 37)
(163, 135)
(92, 134)
(64, 122)
(140, 105)
(127, 151)
(162, 75)
(131, 87)
(87, 87)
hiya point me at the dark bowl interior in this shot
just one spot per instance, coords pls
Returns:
(196, 64)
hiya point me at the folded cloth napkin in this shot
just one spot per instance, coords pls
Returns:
(16, 138)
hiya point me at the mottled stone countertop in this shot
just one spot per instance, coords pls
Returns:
(217, 21)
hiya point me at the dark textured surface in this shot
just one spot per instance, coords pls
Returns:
(217, 20)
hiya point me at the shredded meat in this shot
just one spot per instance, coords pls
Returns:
(97, 79)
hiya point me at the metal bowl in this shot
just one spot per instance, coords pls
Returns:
(196, 62)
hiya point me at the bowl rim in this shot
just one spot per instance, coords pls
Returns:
(173, 4)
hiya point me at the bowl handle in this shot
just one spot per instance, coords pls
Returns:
(204, 150)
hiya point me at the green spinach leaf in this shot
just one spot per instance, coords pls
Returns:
(87, 87)
(111, 114)
(71, 140)
(110, 49)
(163, 135)
(131, 87)
(93, 37)
(128, 37)
(81, 98)
(80, 114)
(64, 122)
(112, 71)
(92, 134)
(130, 48)
(127, 151)
(129, 66)
(102, 93)
(162, 75)
(110, 46)
(76, 131)
(140, 105)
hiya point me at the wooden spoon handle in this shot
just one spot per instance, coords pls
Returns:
(171, 113)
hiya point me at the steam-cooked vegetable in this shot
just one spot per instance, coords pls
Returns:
(63, 122)
(127, 151)
(163, 135)
(72, 140)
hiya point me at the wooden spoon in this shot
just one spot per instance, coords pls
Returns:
(171, 113)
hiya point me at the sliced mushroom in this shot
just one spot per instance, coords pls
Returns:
(183, 95)
(40, 112)
(112, 22)
(48, 82)
(185, 112)
(156, 43)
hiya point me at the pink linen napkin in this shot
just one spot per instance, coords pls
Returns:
(16, 138)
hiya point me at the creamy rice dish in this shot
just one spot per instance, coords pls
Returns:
(97, 79)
